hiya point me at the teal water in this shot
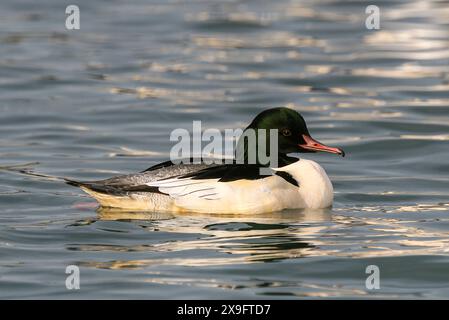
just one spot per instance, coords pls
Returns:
(102, 100)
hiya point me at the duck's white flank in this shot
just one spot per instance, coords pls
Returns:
(240, 197)
(253, 196)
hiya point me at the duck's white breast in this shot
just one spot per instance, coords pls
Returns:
(315, 188)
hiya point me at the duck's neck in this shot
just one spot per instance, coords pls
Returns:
(282, 159)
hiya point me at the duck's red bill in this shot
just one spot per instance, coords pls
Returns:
(313, 145)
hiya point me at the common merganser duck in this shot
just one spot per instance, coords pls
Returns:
(238, 188)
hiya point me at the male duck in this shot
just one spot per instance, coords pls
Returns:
(228, 188)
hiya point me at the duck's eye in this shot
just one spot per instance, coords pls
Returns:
(286, 132)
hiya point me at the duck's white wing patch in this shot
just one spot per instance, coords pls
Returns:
(241, 196)
(204, 195)
(188, 188)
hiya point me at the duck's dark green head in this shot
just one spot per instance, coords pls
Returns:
(293, 135)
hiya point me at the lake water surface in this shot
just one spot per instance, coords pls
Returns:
(102, 101)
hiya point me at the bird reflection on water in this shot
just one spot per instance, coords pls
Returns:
(233, 239)
(263, 238)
